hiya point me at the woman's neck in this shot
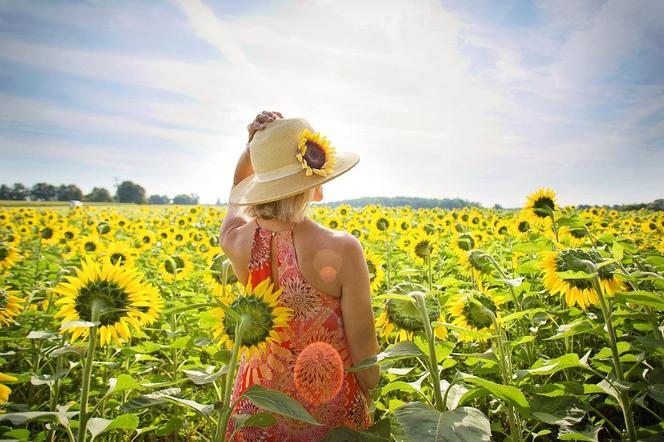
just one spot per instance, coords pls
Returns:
(274, 224)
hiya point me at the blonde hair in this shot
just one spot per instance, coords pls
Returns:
(291, 209)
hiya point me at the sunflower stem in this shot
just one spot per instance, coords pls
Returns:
(611, 335)
(388, 253)
(429, 261)
(433, 360)
(506, 369)
(225, 411)
(87, 375)
(555, 228)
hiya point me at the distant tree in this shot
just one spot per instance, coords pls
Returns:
(68, 192)
(159, 199)
(99, 195)
(19, 192)
(218, 203)
(497, 207)
(658, 204)
(43, 192)
(129, 192)
(5, 192)
(185, 199)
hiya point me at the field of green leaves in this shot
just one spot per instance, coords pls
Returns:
(126, 323)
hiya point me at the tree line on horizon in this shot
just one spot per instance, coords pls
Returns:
(125, 192)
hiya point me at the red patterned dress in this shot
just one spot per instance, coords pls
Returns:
(316, 316)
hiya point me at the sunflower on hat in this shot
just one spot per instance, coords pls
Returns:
(315, 153)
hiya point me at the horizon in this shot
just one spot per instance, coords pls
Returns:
(479, 101)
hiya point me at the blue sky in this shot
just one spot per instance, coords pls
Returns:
(481, 100)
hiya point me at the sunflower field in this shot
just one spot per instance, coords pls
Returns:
(545, 323)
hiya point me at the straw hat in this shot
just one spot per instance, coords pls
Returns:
(289, 157)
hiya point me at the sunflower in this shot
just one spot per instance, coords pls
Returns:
(124, 300)
(91, 245)
(542, 203)
(48, 233)
(175, 266)
(259, 306)
(376, 273)
(146, 239)
(474, 311)
(10, 306)
(119, 252)
(5, 391)
(315, 154)
(214, 276)
(8, 256)
(402, 319)
(577, 291)
(475, 263)
(574, 236)
(423, 246)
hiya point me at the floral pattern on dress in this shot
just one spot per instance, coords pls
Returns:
(317, 317)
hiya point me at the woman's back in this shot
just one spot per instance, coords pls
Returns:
(307, 363)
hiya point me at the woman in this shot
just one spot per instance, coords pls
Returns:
(323, 274)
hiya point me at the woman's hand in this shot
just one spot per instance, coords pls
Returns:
(260, 121)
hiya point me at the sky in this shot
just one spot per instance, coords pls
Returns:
(482, 100)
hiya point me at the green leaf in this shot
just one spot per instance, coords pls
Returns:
(397, 296)
(97, 426)
(618, 251)
(560, 410)
(148, 400)
(572, 329)
(122, 383)
(507, 393)
(642, 297)
(179, 343)
(260, 420)
(588, 435)
(545, 368)
(278, 402)
(423, 423)
(27, 416)
(202, 377)
(46, 379)
(656, 391)
(571, 274)
(400, 350)
(202, 409)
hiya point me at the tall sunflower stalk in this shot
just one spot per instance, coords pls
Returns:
(625, 404)
(431, 341)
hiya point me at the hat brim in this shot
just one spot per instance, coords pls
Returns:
(249, 191)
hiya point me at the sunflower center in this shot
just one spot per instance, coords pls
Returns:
(174, 264)
(578, 233)
(572, 259)
(46, 233)
(382, 224)
(524, 226)
(4, 298)
(406, 316)
(4, 252)
(103, 228)
(334, 224)
(90, 246)
(109, 295)
(314, 156)
(423, 248)
(372, 269)
(465, 242)
(259, 316)
(543, 206)
(69, 235)
(117, 256)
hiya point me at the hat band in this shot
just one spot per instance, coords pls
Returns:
(271, 175)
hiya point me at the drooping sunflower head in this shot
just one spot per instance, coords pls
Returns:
(402, 318)
(542, 203)
(263, 319)
(474, 311)
(116, 294)
(576, 290)
(8, 256)
(315, 154)
(10, 305)
(476, 262)
(119, 253)
(175, 266)
(220, 275)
